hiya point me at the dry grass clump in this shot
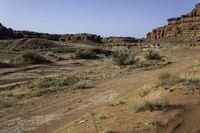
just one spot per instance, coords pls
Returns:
(146, 90)
(85, 54)
(150, 103)
(193, 80)
(152, 55)
(31, 58)
(167, 79)
(124, 56)
(170, 80)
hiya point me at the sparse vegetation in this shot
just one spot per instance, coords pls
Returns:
(102, 116)
(151, 104)
(27, 44)
(191, 80)
(6, 104)
(155, 103)
(39, 92)
(85, 54)
(116, 102)
(30, 58)
(135, 107)
(124, 56)
(146, 90)
(80, 85)
(152, 55)
(167, 79)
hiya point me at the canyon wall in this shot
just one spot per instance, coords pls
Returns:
(179, 30)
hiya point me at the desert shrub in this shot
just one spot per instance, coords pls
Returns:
(191, 80)
(85, 54)
(146, 90)
(136, 107)
(39, 92)
(156, 103)
(58, 82)
(152, 55)
(102, 51)
(167, 79)
(80, 85)
(30, 58)
(124, 56)
(151, 104)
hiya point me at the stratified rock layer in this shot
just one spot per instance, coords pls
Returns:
(185, 28)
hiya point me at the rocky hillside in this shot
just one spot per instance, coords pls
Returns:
(184, 29)
(8, 33)
(120, 40)
(81, 37)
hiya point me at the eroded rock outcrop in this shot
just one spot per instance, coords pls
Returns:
(81, 37)
(119, 40)
(8, 33)
(184, 28)
(129, 42)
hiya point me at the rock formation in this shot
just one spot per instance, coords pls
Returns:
(81, 37)
(184, 28)
(119, 40)
(8, 33)
(129, 42)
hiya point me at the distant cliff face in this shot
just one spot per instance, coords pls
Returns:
(119, 40)
(81, 37)
(185, 26)
(8, 33)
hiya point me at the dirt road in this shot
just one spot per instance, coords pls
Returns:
(54, 113)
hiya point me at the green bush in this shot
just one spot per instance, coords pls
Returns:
(85, 54)
(152, 55)
(30, 58)
(124, 56)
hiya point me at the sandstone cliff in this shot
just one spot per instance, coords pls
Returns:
(181, 29)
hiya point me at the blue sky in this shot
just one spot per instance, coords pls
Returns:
(103, 17)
